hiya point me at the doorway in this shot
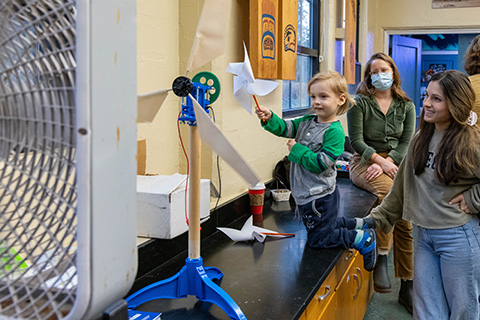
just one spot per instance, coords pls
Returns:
(440, 50)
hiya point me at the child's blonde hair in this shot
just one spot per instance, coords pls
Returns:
(338, 85)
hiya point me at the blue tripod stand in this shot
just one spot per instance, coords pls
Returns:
(193, 278)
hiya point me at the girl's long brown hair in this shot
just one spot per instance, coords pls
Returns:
(366, 87)
(457, 153)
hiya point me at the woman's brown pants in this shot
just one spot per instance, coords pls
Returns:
(401, 236)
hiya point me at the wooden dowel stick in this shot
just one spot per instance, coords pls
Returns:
(194, 194)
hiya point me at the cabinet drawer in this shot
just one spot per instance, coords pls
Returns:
(322, 297)
(344, 263)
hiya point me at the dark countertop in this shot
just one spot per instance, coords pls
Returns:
(271, 280)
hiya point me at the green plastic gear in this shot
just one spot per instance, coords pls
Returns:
(209, 79)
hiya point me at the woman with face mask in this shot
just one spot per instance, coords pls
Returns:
(380, 126)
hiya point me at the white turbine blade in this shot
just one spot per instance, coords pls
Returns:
(214, 138)
(148, 105)
(211, 33)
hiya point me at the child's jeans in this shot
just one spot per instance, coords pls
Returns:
(324, 229)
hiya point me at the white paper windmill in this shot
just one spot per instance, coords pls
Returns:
(245, 85)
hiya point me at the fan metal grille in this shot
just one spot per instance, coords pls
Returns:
(38, 276)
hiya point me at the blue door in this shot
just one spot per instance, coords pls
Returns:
(407, 54)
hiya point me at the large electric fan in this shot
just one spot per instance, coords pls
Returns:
(67, 157)
(194, 279)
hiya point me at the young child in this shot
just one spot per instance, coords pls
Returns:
(316, 141)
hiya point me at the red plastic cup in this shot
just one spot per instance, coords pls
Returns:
(256, 194)
(258, 220)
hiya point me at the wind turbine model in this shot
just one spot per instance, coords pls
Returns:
(193, 278)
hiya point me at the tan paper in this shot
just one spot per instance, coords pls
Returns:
(211, 33)
(141, 157)
(148, 105)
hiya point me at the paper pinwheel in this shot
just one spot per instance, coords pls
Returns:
(251, 232)
(245, 85)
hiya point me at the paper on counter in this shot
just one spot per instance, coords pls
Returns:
(245, 84)
(214, 138)
(249, 232)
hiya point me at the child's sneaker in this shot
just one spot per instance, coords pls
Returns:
(367, 248)
(368, 223)
(364, 223)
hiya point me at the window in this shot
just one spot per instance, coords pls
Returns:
(295, 94)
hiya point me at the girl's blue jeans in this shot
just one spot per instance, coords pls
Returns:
(324, 228)
(447, 273)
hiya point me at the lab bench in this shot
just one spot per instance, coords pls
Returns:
(277, 279)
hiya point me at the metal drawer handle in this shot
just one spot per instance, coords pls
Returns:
(359, 282)
(323, 297)
(350, 255)
(359, 271)
(358, 288)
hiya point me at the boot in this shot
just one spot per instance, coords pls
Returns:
(405, 295)
(381, 282)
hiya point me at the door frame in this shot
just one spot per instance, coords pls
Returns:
(388, 32)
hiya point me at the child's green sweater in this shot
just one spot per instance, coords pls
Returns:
(312, 172)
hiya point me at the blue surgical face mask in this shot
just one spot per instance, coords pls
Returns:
(382, 81)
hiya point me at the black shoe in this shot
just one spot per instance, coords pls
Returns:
(368, 249)
(405, 295)
(381, 281)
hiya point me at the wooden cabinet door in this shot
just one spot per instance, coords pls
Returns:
(345, 293)
(363, 287)
(329, 311)
(322, 298)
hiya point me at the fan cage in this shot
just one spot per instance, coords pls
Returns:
(38, 197)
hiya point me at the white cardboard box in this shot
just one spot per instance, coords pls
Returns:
(161, 205)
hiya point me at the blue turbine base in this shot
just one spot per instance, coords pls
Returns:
(192, 279)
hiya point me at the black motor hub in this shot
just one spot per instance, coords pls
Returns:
(182, 86)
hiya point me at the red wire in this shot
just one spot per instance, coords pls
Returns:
(188, 166)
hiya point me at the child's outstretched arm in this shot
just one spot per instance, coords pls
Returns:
(263, 113)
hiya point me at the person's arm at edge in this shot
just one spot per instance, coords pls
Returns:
(391, 208)
(472, 195)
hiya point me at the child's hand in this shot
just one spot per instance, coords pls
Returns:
(263, 113)
(290, 144)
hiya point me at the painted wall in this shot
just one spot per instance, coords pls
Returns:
(413, 14)
(166, 30)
